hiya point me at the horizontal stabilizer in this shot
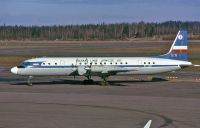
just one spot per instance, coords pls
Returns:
(196, 65)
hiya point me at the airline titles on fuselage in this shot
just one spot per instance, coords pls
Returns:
(86, 61)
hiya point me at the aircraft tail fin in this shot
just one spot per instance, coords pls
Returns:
(148, 124)
(179, 48)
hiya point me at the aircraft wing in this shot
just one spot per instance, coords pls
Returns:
(99, 70)
(109, 70)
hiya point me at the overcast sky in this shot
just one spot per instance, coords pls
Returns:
(55, 12)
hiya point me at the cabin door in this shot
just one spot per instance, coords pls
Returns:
(62, 63)
(140, 62)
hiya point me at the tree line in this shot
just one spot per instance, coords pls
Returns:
(117, 31)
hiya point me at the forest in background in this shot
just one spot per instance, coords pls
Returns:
(118, 31)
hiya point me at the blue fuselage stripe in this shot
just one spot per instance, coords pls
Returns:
(124, 66)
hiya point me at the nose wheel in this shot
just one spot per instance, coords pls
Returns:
(29, 83)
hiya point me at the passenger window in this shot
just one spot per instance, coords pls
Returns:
(104, 62)
(149, 63)
(79, 63)
(116, 63)
(55, 63)
(126, 63)
(144, 62)
(101, 63)
(121, 63)
(153, 62)
(43, 63)
(96, 63)
(111, 63)
(49, 63)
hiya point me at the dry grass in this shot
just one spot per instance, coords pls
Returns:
(194, 49)
(122, 50)
(11, 60)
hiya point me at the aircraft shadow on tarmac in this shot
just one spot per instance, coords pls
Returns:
(80, 82)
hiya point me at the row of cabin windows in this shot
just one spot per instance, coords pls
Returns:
(86, 63)
(49, 64)
(149, 63)
(104, 63)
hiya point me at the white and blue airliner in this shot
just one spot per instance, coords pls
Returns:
(175, 59)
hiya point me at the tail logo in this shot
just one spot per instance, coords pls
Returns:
(180, 37)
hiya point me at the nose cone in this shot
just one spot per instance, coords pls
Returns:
(14, 70)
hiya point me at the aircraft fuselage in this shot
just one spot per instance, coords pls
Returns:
(97, 65)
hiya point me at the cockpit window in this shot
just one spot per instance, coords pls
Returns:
(30, 64)
(20, 66)
(23, 65)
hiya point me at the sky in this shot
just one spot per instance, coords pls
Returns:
(64, 12)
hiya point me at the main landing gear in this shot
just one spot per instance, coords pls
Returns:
(104, 82)
(88, 80)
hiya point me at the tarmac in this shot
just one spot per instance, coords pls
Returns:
(170, 100)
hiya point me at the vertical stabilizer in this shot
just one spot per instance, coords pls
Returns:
(179, 48)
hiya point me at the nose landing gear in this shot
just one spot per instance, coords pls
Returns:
(29, 83)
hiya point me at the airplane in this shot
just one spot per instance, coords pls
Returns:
(175, 59)
(148, 124)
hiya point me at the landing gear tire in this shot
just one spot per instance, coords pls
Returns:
(88, 82)
(29, 83)
(104, 82)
